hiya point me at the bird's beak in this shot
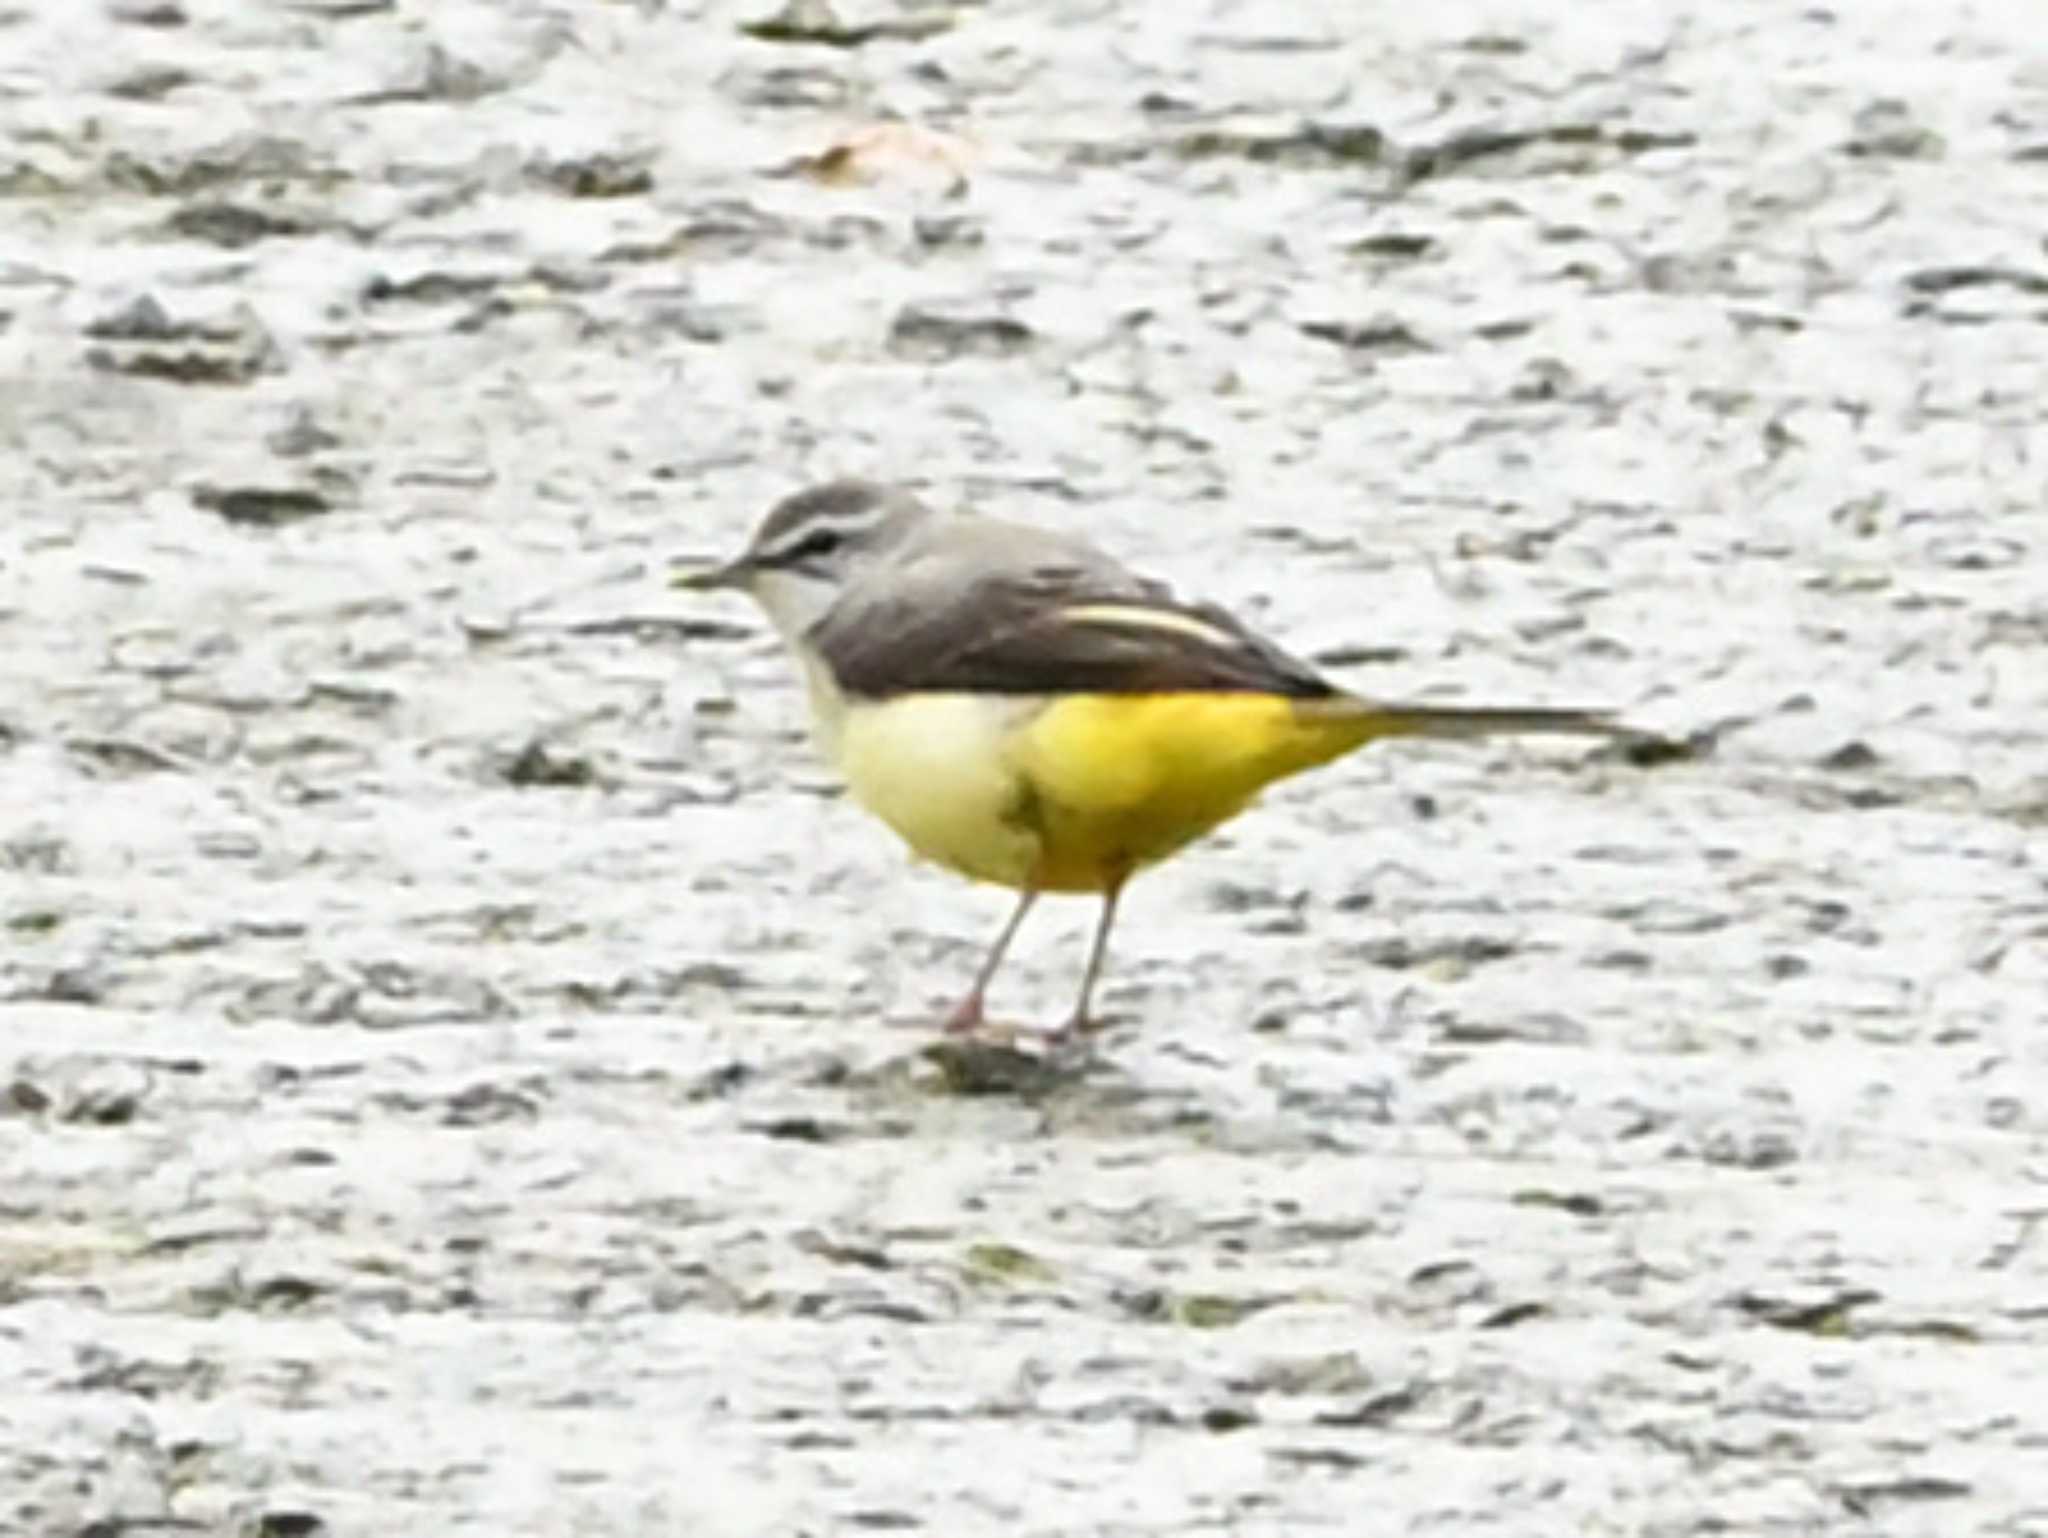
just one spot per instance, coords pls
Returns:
(695, 577)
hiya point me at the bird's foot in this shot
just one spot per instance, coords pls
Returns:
(1070, 1038)
(966, 1018)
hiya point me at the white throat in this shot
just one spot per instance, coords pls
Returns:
(793, 605)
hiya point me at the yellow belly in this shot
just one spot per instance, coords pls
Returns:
(1074, 794)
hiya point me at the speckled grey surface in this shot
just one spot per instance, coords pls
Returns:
(459, 1066)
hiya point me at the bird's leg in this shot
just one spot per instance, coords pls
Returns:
(1080, 1022)
(966, 1016)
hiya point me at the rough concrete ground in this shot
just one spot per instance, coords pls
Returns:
(460, 1066)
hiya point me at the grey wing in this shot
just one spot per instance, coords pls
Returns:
(1065, 620)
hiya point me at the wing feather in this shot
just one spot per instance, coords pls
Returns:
(1052, 627)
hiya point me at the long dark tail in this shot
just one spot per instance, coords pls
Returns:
(1380, 718)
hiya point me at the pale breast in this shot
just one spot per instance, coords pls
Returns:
(937, 768)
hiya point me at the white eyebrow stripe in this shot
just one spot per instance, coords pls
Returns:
(1138, 617)
(843, 520)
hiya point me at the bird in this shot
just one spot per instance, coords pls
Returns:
(1025, 710)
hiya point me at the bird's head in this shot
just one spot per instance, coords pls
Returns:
(811, 547)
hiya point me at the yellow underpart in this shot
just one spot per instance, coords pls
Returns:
(1075, 793)
(1124, 780)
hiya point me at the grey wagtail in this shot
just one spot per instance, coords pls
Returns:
(1023, 709)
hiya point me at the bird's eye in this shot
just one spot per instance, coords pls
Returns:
(816, 543)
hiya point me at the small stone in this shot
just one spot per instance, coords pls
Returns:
(264, 507)
(936, 337)
(536, 764)
(1851, 755)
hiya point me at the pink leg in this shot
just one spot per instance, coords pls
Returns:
(966, 1017)
(1080, 1022)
